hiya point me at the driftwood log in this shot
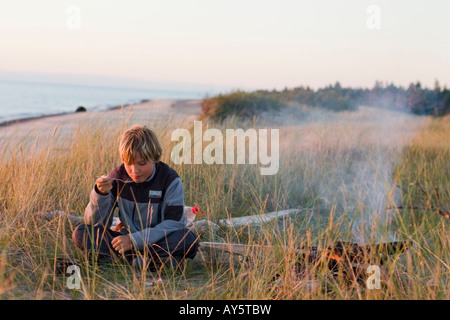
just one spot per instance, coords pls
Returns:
(201, 226)
(74, 219)
(61, 215)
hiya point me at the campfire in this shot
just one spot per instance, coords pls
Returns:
(346, 258)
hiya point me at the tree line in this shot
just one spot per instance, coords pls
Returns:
(414, 98)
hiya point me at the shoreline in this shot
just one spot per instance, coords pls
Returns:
(12, 122)
(149, 112)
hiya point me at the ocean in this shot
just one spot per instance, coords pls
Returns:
(22, 100)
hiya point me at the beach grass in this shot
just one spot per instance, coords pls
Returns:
(370, 175)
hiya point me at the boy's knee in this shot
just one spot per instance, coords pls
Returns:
(78, 236)
(191, 244)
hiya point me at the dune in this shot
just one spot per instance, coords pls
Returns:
(151, 112)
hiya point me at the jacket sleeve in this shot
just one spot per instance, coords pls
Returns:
(172, 215)
(100, 209)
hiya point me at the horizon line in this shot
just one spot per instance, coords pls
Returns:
(188, 86)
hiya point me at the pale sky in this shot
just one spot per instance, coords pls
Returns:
(254, 44)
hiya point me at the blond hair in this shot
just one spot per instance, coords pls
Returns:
(140, 139)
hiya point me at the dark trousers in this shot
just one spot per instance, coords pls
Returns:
(97, 239)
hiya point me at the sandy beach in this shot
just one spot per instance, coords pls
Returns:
(150, 113)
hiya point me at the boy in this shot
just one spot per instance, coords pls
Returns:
(150, 199)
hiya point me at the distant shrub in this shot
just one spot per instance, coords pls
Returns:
(335, 99)
(240, 104)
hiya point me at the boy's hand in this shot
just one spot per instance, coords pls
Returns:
(104, 184)
(122, 243)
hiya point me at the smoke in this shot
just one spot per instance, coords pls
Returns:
(369, 181)
(348, 160)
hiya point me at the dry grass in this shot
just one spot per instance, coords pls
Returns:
(344, 166)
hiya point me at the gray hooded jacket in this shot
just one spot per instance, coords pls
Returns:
(148, 210)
